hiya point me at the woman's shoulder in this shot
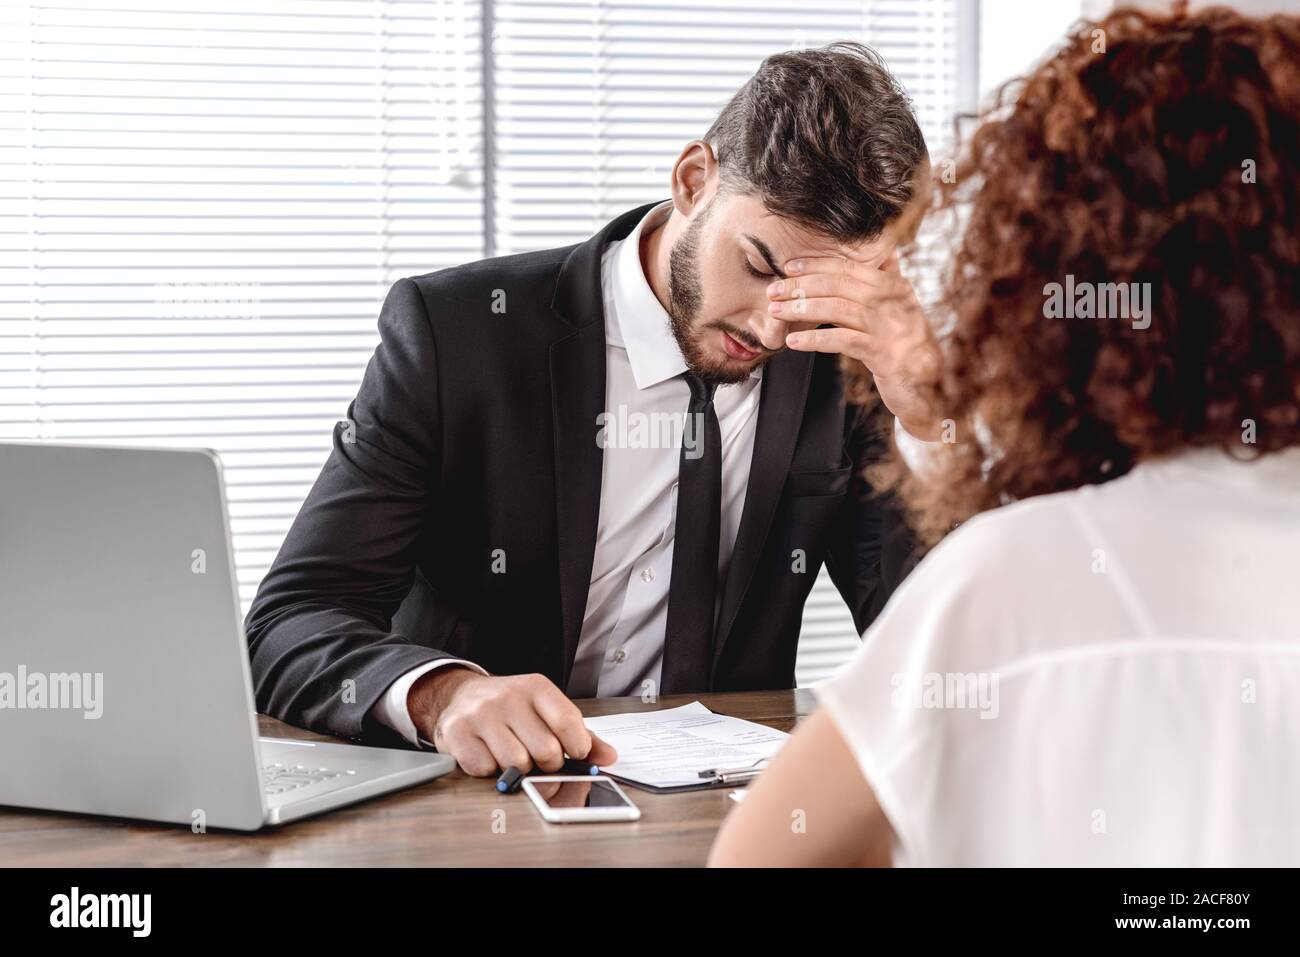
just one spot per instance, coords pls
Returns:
(1028, 534)
(1027, 577)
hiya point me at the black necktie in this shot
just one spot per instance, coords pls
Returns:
(692, 589)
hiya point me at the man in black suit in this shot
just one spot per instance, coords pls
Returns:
(616, 468)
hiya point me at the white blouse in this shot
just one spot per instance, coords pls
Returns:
(1107, 676)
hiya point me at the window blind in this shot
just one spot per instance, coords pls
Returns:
(593, 100)
(204, 203)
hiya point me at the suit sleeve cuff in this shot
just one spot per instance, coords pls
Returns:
(391, 709)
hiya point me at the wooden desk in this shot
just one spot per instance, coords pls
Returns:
(445, 823)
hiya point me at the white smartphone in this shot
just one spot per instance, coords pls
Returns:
(575, 799)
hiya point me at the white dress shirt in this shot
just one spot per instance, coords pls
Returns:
(620, 647)
(1107, 676)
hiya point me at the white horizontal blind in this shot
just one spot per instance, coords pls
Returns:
(204, 203)
(595, 98)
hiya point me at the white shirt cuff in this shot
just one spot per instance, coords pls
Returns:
(917, 453)
(391, 709)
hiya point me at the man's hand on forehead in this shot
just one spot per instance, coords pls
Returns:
(873, 316)
(859, 298)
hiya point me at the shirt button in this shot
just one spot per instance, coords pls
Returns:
(647, 575)
(620, 656)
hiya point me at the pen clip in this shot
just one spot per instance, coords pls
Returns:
(729, 775)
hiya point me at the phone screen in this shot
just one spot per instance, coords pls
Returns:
(569, 794)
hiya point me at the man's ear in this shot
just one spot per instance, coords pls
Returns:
(695, 177)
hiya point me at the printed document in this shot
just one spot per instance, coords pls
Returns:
(669, 748)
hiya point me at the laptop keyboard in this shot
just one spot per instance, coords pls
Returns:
(283, 778)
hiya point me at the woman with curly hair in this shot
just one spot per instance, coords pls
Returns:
(1100, 665)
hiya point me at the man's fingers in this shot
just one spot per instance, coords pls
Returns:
(832, 309)
(844, 285)
(602, 752)
(806, 265)
(843, 341)
(541, 742)
(811, 265)
(473, 757)
(522, 721)
(507, 750)
(564, 719)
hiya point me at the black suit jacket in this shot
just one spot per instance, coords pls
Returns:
(473, 438)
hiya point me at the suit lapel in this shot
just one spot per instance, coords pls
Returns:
(577, 365)
(780, 413)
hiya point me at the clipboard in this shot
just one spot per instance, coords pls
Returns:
(720, 778)
(685, 748)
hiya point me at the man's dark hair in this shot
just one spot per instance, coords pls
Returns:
(824, 137)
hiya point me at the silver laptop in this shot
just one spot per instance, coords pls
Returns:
(124, 676)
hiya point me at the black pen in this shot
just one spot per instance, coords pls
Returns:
(508, 783)
(511, 777)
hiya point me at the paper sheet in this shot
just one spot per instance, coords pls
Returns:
(670, 748)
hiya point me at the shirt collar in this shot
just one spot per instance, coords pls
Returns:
(641, 325)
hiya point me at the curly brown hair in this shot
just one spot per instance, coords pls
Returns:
(1148, 149)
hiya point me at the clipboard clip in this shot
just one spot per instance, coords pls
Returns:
(734, 775)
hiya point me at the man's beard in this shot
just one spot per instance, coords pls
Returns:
(685, 296)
